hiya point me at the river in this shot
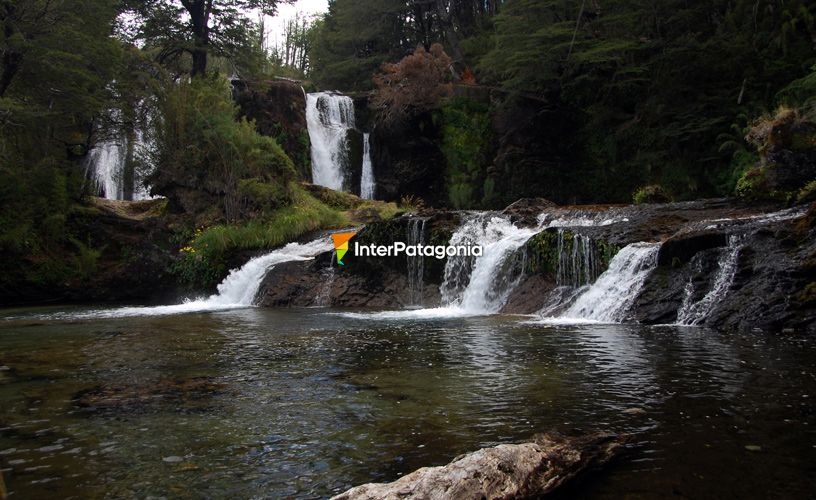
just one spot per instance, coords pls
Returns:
(253, 402)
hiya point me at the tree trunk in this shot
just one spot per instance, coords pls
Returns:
(450, 32)
(129, 170)
(199, 20)
(11, 59)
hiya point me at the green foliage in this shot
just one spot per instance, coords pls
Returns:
(203, 261)
(354, 39)
(753, 186)
(86, 259)
(58, 58)
(654, 193)
(466, 138)
(808, 193)
(201, 144)
(640, 73)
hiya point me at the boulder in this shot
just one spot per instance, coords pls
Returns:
(526, 210)
(527, 470)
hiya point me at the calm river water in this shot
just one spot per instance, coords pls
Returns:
(306, 403)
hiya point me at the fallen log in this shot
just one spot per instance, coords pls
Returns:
(526, 470)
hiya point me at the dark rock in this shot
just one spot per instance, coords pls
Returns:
(407, 160)
(529, 295)
(526, 210)
(279, 110)
(527, 470)
(681, 248)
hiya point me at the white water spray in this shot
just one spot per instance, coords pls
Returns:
(329, 118)
(238, 290)
(367, 182)
(695, 313)
(610, 297)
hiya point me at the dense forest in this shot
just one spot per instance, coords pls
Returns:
(575, 101)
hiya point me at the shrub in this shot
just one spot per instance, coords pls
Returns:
(203, 260)
(653, 193)
(808, 193)
(202, 147)
(416, 84)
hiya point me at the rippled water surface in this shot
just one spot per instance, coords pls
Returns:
(307, 403)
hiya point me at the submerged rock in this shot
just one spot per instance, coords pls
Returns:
(527, 470)
(184, 394)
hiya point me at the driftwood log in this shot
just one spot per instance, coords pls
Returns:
(526, 470)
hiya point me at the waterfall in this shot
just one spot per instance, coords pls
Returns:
(482, 285)
(578, 261)
(238, 290)
(105, 164)
(367, 183)
(323, 298)
(416, 263)
(329, 118)
(694, 313)
(609, 298)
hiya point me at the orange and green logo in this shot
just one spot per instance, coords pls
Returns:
(341, 245)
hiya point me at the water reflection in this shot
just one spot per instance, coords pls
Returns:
(254, 402)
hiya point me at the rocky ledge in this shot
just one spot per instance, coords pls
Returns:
(767, 254)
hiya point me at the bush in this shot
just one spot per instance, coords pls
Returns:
(466, 137)
(416, 84)
(653, 193)
(203, 261)
(203, 148)
(808, 193)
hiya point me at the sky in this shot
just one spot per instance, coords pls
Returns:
(274, 25)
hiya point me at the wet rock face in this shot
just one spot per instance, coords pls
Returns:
(407, 160)
(527, 470)
(376, 282)
(279, 110)
(765, 278)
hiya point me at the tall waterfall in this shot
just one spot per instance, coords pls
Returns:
(105, 165)
(367, 183)
(329, 118)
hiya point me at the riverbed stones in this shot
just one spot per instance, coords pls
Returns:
(526, 470)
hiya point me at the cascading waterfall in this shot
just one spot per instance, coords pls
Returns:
(329, 118)
(695, 313)
(367, 182)
(416, 263)
(323, 298)
(482, 285)
(238, 290)
(609, 298)
(578, 262)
